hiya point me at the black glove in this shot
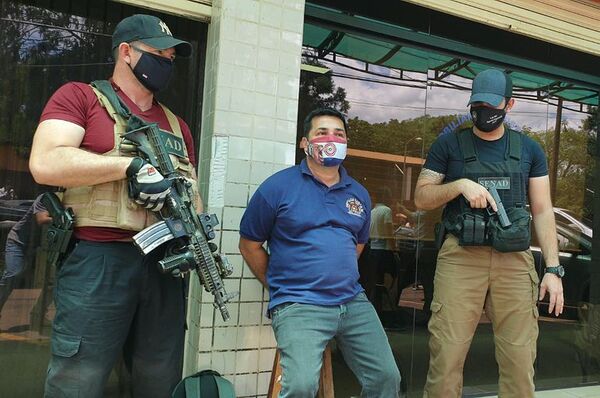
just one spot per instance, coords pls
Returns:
(146, 185)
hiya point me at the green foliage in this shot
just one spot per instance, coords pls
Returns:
(319, 91)
(391, 136)
(38, 57)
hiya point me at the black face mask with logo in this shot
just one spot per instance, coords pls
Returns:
(487, 119)
(153, 71)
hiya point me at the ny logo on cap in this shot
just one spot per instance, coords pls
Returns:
(165, 28)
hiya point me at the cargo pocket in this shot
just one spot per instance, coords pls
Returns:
(535, 286)
(64, 345)
(450, 324)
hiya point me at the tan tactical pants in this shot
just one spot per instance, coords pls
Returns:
(467, 279)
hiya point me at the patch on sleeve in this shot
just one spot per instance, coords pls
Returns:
(355, 207)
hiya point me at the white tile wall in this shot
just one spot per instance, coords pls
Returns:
(248, 336)
(206, 315)
(246, 361)
(265, 104)
(229, 242)
(252, 290)
(260, 171)
(263, 382)
(266, 82)
(263, 150)
(249, 132)
(247, 10)
(246, 385)
(246, 32)
(267, 338)
(238, 171)
(243, 78)
(236, 194)
(269, 37)
(250, 314)
(223, 337)
(265, 359)
(243, 100)
(270, 14)
(268, 59)
(223, 362)
(231, 218)
(264, 127)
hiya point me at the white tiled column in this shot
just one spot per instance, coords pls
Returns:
(248, 133)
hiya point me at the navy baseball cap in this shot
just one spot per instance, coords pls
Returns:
(491, 86)
(149, 30)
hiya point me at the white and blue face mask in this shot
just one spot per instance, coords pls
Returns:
(328, 151)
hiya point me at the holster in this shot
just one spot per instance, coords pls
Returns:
(440, 235)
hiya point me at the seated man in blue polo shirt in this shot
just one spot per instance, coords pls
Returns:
(315, 219)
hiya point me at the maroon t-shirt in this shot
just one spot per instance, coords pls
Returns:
(77, 103)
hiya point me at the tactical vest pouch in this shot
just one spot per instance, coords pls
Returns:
(515, 238)
(473, 230)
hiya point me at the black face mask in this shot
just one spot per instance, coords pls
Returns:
(487, 119)
(153, 71)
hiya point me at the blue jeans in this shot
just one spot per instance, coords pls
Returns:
(303, 331)
(15, 264)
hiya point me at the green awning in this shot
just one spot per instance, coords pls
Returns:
(388, 54)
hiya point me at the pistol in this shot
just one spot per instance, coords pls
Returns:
(502, 216)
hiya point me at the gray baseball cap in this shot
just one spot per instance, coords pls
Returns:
(491, 86)
(149, 30)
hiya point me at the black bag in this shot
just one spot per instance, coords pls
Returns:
(515, 238)
(204, 384)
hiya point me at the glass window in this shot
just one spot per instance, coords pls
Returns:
(394, 117)
(44, 45)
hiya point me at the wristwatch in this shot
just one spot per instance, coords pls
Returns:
(558, 271)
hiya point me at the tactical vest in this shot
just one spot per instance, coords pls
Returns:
(109, 204)
(473, 226)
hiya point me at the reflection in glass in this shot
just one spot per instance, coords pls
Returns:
(44, 45)
(392, 125)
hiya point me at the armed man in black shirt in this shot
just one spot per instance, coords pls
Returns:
(481, 263)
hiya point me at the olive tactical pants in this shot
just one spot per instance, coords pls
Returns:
(112, 301)
(467, 280)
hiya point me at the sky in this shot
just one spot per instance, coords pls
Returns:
(376, 102)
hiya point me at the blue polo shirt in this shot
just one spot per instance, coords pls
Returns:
(312, 231)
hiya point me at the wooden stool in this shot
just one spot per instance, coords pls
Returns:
(325, 378)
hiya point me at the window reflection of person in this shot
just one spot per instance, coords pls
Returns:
(381, 242)
(17, 242)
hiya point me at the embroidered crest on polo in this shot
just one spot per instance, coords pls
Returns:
(355, 207)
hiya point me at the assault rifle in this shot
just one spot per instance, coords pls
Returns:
(502, 216)
(187, 231)
(61, 228)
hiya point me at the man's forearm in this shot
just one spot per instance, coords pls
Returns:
(73, 167)
(545, 229)
(432, 196)
(258, 262)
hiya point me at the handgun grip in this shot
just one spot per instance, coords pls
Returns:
(502, 216)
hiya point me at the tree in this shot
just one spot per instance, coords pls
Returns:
(317, 91)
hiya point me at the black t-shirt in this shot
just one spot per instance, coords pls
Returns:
(445, 156)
